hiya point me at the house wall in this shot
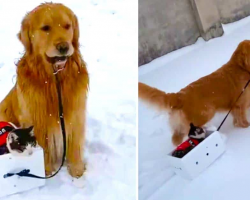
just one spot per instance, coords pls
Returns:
(167, 25)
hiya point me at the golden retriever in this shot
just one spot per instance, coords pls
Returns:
(199, 101)
(50, 35)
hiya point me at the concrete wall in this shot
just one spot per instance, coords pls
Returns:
(233, 10)
(164, 26)
(167, 25)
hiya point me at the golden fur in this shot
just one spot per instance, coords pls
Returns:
(200, 100)
(33, 100)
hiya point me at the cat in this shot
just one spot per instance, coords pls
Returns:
(196, 132)
(21, 141)
(196, 135)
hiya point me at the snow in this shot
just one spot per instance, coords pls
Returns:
(108, 36)
(228, 178)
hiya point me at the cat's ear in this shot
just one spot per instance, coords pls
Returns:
(30, 130)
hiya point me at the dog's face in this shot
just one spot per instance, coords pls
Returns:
(51, 31)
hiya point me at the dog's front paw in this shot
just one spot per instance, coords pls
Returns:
(48, 169)
(76, 170)
(242, 124)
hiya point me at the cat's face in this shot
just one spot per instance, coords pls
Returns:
(21, 142)
(196, 132)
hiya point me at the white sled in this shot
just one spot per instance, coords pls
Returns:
(199, 158)
(15, 184)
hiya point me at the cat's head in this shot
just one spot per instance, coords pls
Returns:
(196, 132)
(21, 141)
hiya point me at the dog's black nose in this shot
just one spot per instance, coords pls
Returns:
(62, 47)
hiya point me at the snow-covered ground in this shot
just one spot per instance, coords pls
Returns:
(229, 177)
(109, 46)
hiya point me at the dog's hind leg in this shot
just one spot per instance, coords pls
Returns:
(179, 126)
(9, 108)
(177, 138)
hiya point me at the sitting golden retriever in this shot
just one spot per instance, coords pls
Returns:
(199, 101)
(50, 35)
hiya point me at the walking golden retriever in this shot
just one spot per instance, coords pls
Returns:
(50, 35)
(199, 101)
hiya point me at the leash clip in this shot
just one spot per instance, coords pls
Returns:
(24, 172)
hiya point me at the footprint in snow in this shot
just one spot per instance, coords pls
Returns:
(98, 147)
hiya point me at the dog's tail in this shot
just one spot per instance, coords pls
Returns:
(158, 98)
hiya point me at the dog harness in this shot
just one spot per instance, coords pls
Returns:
(189, 142)
(3, 132)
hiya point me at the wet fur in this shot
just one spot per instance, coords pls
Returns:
(33, 100)
(200, 100)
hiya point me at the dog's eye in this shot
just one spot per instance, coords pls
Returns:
(67, 26)
(46, 28)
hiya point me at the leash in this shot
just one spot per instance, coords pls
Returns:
(26, 172)
(233, 105)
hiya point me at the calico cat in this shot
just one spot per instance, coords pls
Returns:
(20, 141)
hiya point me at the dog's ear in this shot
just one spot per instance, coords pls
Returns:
(24, 34)
(242, 55)
(246, 53)
(76, 33)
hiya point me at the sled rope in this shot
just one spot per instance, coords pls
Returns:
(26, 172)
(233, 105)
